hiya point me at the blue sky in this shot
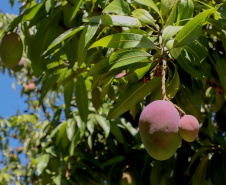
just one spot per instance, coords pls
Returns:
(10, 100)
(6, 8)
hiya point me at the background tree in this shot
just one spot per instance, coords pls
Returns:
(92, 66)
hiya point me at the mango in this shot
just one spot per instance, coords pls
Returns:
(158, 126)
(11, 49)
(188, 128)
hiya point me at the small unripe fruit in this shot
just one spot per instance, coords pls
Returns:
(188, 128)
(158, 127)
(20, 149)
(11, 49)
(29, 87)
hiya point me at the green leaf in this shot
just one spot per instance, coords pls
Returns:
(186, 9)
(115, 130)
(124, 40)
(48, 5)
(81, 98)
(81, 49)
(171, 19)
(27, 15)
(150, 4)
(67, 34)
(169, 32)
(75, 141)
(118, 59)
(47, 85)
(42, 162)
(221, 69)
(91, 30)
(76, 6)
(136, 93)
(193, 29)
(116, 20)
(114, 160)
(197, 155)
(218, 168)
(173, 86)
(68, 92)
(189, 67)
(199, 176)
(166, 6)
(96, 100)
(130, 57)
(119, 7)
(104, 124)
(135, 75)
(197, 50)
(175, 52)
(70, 129)
(144, 16)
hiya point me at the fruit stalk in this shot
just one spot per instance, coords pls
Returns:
(164, 66)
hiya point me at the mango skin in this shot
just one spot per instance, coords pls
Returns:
(11, 49)
(158, 126)
(188, 128)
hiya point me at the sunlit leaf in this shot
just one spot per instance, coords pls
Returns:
(150, 4)
(118, 6)
(193, 29)
(104, 124)
(144, 16)
(124, 40)
(169, 32)
(42, 162)
(116, 20)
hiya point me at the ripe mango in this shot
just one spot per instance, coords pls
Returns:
(11, 49)
(188, 128)
(158, 126)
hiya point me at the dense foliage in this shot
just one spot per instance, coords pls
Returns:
(94, 65)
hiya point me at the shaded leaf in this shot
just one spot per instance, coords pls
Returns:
(114, 160)
(81, 98)
(115, 130)
(188, 67)
(68, 92)
(221, 68)
(136, 93)
(173, 86)
(63, 37)
(118, 59)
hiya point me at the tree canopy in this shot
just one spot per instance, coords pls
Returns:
(88, 69)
